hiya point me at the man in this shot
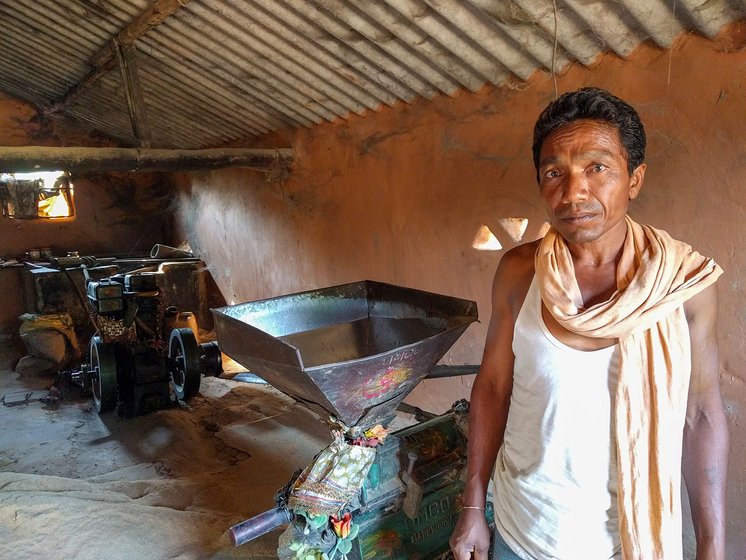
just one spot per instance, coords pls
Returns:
(601, 354)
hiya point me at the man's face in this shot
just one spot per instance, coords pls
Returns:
(584, 181)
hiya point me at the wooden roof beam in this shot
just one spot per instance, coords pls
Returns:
(79, 159)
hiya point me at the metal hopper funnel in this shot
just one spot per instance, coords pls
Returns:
(352, 352)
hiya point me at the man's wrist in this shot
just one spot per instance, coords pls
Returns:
(708, 549)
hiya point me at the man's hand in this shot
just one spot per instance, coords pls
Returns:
(471, 537)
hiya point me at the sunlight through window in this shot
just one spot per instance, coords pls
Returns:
(43, 194)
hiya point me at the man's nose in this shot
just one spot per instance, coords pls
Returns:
(575, 188)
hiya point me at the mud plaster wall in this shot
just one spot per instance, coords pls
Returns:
(116, 214)
(398, 197)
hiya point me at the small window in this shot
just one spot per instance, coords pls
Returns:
(44, 194)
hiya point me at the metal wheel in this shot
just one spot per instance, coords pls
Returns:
(183, 354)
(103, 364)
(211, 360)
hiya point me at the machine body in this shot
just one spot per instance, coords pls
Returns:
(351, 354)
(138, 356)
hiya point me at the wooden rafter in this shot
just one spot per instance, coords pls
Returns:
(105, 60)
(133, 94)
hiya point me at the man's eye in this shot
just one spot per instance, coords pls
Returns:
(598, 167)
(551, 174)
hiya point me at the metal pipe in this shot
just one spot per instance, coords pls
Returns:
(259, 525)
(452, 371)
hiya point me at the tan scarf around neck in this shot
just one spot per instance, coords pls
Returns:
(655, 276)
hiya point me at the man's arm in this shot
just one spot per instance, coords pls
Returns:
(488, 413)
(705, 456)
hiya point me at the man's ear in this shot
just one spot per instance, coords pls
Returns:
(636, 180)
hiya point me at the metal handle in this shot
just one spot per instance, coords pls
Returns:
(258, 525)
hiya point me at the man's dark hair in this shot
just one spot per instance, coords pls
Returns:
(598, 105)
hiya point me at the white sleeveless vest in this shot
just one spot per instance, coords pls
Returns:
(555, 475)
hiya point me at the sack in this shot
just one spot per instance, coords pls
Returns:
(333, 479)
(50, 337)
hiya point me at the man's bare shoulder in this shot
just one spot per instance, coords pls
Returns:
(519, 261)
(514, 274)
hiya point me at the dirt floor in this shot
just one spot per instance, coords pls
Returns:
(167, 485)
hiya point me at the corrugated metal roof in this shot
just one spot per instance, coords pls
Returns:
(215, 71)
